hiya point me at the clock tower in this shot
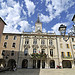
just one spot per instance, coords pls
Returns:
(38, 25)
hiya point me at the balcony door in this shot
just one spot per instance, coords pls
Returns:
(38, 63)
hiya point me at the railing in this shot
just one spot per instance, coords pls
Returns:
(38, 55)
(66, 57)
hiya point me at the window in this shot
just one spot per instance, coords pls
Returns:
(51, 52)
(26, 52)
(73, 46)
(26, 41)
(61, 46)
(42, 51)
(34, 50)
(6, 37)
(12, 53)
(3, 52)
(15, 37)
(67, 45)
(5, 44)
(50, 42)
(68, 54)
(72, 39)
(35, 41)
(42, 42)
(62, 54)
(14, 45)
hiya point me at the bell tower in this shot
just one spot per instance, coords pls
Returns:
(38, 25)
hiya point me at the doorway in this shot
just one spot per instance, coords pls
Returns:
(25, 63)
(38, 63)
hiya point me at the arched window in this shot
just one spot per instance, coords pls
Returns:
(34, 50)
(26, 52)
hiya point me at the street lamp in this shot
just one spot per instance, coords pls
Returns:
(73, 19)
(62, 30)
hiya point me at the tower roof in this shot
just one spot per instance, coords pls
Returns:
(38, 20)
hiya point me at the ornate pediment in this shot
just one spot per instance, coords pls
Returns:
(43, 46)
(26, 46)
(51, 47)
(35, 46)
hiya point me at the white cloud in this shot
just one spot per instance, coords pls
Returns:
(24, 12)
(24, 26)
(56, 26)
(44, 30)
(51, 32)
(11, 13)
(30, 7)
(44, 18)
(55, 8)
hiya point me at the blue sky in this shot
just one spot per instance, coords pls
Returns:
(21, 15)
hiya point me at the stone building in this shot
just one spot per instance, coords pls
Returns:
(2, 23)
(9, 48)
(37, 49)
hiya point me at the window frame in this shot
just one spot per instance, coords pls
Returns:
(6, 37)
(26, 51)
(5, 45)
(14, 45)
(26, 41)
(51, 52)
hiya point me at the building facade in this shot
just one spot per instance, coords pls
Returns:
(9, 48)
(37, 49)
(2, 23)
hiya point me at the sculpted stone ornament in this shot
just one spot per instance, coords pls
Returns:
(26, 46)
(52, 47)
(35, 46)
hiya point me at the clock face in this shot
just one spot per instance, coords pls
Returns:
(38, 28)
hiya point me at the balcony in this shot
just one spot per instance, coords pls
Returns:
(38, 55)
(43, 46)
(35, 46)
(26, 46)
(51, 46)
(67, 57)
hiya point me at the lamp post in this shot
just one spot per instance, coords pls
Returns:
(62, 30)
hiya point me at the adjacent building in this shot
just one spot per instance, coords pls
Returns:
(2, 23)
(37, 49)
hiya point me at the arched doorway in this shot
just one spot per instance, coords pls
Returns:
(25, 63)
(2, 63)
(11, 63)
(52, 64)
(66, 64)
